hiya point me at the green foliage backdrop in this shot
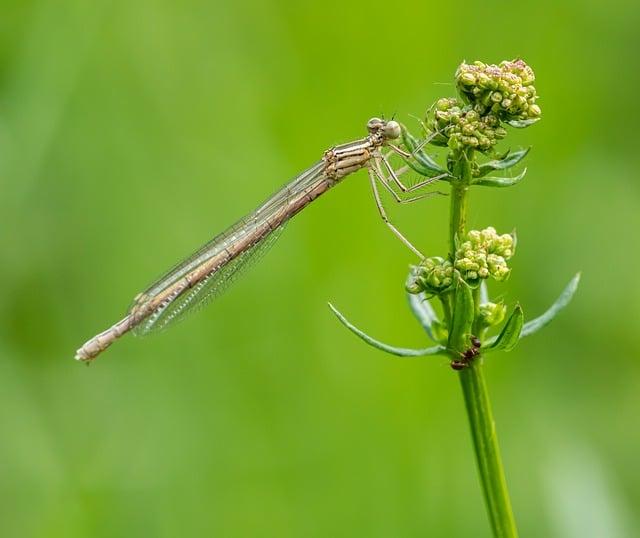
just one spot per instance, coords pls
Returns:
(132, 131)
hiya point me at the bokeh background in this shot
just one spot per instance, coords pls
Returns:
(132, 131)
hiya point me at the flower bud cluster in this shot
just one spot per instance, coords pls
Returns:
(459, 126)
(489, 96)
(505, 90)
(484, 253)
(433, 275)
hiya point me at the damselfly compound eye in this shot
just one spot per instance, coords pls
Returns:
(392, 129)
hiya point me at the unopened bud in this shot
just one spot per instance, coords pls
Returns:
(491, 313)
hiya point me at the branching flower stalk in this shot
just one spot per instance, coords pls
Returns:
(490, 99)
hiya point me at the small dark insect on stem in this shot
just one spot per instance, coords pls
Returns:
(467, 355)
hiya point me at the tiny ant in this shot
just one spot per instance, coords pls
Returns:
(467, 355)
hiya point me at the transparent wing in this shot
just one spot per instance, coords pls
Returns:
(168, 299)
(303, 182)
(202, 293)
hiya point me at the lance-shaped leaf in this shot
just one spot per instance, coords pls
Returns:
(563, 300)
(484, 292)
(463, 314)
(510, 334)
(541, 321)
(507, 161)
(492, 181)
(420, 161)
(399, 351)
(521, 124)
(424, 312)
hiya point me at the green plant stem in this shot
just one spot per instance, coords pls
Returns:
(445, 299)
(476, 323)
(458, 214)
(459, 198)
(485, 441)
(474, 389)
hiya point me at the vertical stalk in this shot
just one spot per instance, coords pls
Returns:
(459, 198)
(445, 300)
(485, 441)
(457, 214)
(474, 389)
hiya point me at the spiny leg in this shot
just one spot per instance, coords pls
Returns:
(396, 196)
(385, 181)
(396, 179)
(406, 168)
(402, 170)
(412, 155)
(383, 214)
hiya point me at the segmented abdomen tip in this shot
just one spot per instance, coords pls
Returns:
(80, 356)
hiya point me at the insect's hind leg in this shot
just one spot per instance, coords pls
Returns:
(373, 178)
(386, 183)
(396, 179)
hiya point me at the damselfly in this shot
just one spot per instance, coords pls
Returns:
(210, 269)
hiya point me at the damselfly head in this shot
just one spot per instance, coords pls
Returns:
(389, 129)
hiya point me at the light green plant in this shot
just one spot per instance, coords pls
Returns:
(490, 99)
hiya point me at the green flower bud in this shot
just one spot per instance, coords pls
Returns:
(497, 266)
(491, 314)
(434, 275)
(468, 129)
(446, 103)
(484, 143)
(500, 132)
(470, 141)
(467, 79)
(486, 82)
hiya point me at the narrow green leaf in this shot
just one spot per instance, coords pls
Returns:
(399, 351)
(421, 162)
(422, 170)
(510, 334)
(484, 292)
(423, 311)
(440, 331)
(563, 300)
(521, 124)
(463, 314)
(509, 160)
(492, 181)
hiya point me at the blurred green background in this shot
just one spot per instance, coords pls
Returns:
(132, 131)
